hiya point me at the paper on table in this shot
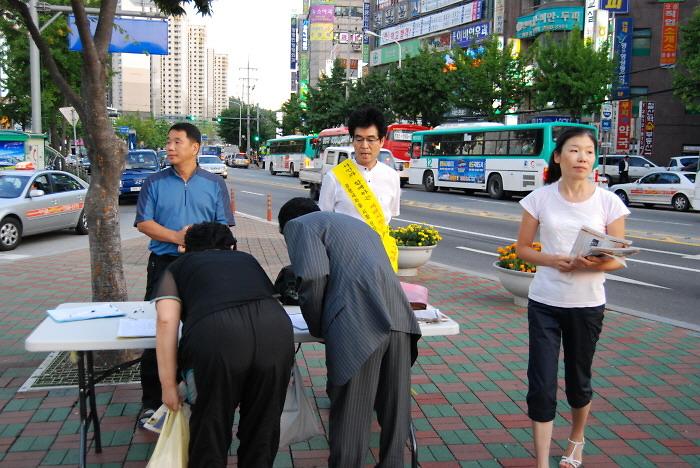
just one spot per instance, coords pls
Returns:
(430, 314)
(298, 322)
(136, 328)
(72, 314)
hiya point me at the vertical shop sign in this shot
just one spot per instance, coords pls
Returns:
(624, 126)
(293, 45)
(589, 20)
(669, 34)
(646, 135)
(499, 14)
(623, 51)
(615, 6)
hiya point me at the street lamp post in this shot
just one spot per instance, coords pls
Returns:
(372, 33)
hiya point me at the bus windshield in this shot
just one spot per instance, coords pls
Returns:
(338, 136)
(211, 151)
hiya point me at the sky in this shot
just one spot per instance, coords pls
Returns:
(258, 30)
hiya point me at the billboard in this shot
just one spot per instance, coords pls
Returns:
(322, 14)
(623, 52)
(462, 170)
(321, 31)
(129, 36)
(549, 19)
(669, 34)
(615, 6)
(293, 45)
(465, 36)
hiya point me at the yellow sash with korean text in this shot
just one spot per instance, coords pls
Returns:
(366, 203)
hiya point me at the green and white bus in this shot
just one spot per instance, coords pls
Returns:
(500, 159)
(290, 153)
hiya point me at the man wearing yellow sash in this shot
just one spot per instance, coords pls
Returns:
(365, 188)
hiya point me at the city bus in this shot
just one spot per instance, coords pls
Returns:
(500, 159)
(212, 151)
(398, 141)
(290, 153)
(336, 136)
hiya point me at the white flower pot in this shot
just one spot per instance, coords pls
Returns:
(515, 282)
(410, 258)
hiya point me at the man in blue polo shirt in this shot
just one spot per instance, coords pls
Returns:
(169, 203)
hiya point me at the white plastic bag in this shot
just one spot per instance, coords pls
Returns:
(173, 442)
(299, 421)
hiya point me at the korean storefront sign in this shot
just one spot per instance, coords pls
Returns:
(623, 52)
(465, 36)
(669, 34)
(646, 133)
(624, 126)
(322, 13)
(615, 6)
(321, 31)
(305, 35)
(549, 19)
(293, 45)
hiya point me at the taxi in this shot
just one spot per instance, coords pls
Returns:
(36, 201)
(660, 188)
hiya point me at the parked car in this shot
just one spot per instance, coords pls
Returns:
(36, 201)
(639, 167)
(660, 188)
(678, 163)
(140, 164)
(240, 160)
(213, 164)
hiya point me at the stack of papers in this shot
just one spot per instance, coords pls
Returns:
(590, 242)
(430, 315)
(72, 314)
(136, 328)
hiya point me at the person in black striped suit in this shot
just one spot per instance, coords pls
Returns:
(351, 297)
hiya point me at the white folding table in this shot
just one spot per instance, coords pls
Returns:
(87, 336)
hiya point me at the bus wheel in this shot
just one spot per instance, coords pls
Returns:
(495, 187)
(403, 182)
(291, 169)
(429, 181)
(271, 169)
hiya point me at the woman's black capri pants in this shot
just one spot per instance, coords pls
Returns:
(578, 328)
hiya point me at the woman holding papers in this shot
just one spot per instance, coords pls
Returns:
(237, 348)
(567, 297)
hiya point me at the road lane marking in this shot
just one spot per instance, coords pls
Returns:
(663, 265)
(657, 221)
(253, 193)
(622, 279)
(692, 257)
(456, 230)
(13, 256)
(493, 254)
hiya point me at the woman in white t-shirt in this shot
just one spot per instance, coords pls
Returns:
(567, 297)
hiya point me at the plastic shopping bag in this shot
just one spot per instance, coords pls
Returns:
(173, 442)
(299, 421)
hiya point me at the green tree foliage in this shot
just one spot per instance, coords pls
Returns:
(14, 55)
(420, 90)
(372, 90)
(488, 80)
(150, 133)
(294, 116)
(571, 74)
(686, 77)
(326, 103)
(229, 124)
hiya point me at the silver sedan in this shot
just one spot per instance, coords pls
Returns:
(32, 202)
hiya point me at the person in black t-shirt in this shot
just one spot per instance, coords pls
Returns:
(237, 348)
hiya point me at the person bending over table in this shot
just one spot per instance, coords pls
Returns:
(237, 348)
(350, 297)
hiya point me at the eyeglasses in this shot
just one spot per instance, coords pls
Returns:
(371, 140)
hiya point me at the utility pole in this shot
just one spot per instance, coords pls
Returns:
(257, 122)
(247, 80)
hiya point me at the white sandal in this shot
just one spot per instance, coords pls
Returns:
(569, 459)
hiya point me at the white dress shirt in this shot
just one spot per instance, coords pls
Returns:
(381, 179)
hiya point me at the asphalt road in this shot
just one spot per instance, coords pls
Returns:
(664, 280)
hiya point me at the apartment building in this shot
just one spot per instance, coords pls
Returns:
(169, 73)
(217, 83)
(197, 67)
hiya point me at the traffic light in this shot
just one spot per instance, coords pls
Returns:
(256, 138)
(216, 119)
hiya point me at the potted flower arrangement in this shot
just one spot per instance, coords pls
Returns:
(515, 273)
(416, 243)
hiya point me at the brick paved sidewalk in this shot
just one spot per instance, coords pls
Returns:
(469, 407)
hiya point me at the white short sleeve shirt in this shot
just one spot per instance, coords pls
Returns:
(381, 179)
(559, 224)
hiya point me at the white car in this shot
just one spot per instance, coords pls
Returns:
(660, 188)
(677, 163)
(32, 202)
(214, 165)
(639, 167)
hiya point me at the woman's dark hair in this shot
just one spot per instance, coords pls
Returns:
(190, 130)
(554, 169)
(366, 117)
(209, 236)
(294, 208)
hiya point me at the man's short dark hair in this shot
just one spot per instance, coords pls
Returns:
(294, 208)
(366, 117)
(191, 130)
(209, 236)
